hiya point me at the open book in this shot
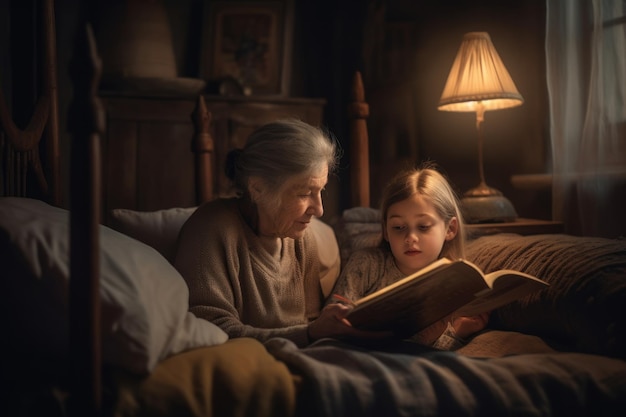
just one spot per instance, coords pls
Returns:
(442, 288)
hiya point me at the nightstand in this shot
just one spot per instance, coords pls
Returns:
(520, 226)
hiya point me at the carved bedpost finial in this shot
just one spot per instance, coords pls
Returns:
(203, 148)
(358, 111)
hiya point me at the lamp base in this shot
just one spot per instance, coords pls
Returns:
(484, 204)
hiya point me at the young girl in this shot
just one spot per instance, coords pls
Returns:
(421, 222)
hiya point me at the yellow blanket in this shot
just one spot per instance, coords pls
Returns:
(237, 378)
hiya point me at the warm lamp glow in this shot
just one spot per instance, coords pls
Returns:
(479, 81)
(478, 76)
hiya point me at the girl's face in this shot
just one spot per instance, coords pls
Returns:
(416, 233)
(300, 200)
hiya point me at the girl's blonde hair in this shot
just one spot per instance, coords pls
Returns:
(428, 182)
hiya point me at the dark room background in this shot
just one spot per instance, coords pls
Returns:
(404, 50)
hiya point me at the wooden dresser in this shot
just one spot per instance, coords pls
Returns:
(148, 163)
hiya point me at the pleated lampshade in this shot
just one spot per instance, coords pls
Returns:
(478, 75)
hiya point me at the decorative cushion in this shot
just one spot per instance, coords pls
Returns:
(358, 228)
(144, 300)
(584, 309)
(158, 229)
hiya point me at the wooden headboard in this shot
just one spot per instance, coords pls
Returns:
(25, 172)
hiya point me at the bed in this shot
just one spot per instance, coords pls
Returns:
(117, 338)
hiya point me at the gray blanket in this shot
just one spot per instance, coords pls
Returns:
(344, 380)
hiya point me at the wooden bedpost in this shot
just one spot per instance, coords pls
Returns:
(50, 86)
(86, 123)
(358, 111)
(203, 148)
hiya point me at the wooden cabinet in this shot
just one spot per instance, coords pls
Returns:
(148, 159)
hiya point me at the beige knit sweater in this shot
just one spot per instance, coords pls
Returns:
(248, 285)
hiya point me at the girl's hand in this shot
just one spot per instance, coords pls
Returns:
(464, 327)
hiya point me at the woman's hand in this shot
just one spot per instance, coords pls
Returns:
(332, 322)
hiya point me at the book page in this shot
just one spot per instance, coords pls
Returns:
(506, 286)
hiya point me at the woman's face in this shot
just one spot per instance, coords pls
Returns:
(300, 200)
(416, 233)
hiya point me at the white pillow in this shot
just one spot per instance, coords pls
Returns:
(158, 229)
(144, 300)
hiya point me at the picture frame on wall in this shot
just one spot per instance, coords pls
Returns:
(250, 42)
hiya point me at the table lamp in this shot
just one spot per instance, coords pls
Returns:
(479, 81)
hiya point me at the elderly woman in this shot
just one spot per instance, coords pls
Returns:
(250, 261)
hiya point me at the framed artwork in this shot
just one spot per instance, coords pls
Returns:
(249, 41)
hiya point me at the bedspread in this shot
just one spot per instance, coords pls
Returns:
(341, 379)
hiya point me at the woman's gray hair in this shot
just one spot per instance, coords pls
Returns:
(279, 151)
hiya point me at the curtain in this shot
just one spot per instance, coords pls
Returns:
(586, 81)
